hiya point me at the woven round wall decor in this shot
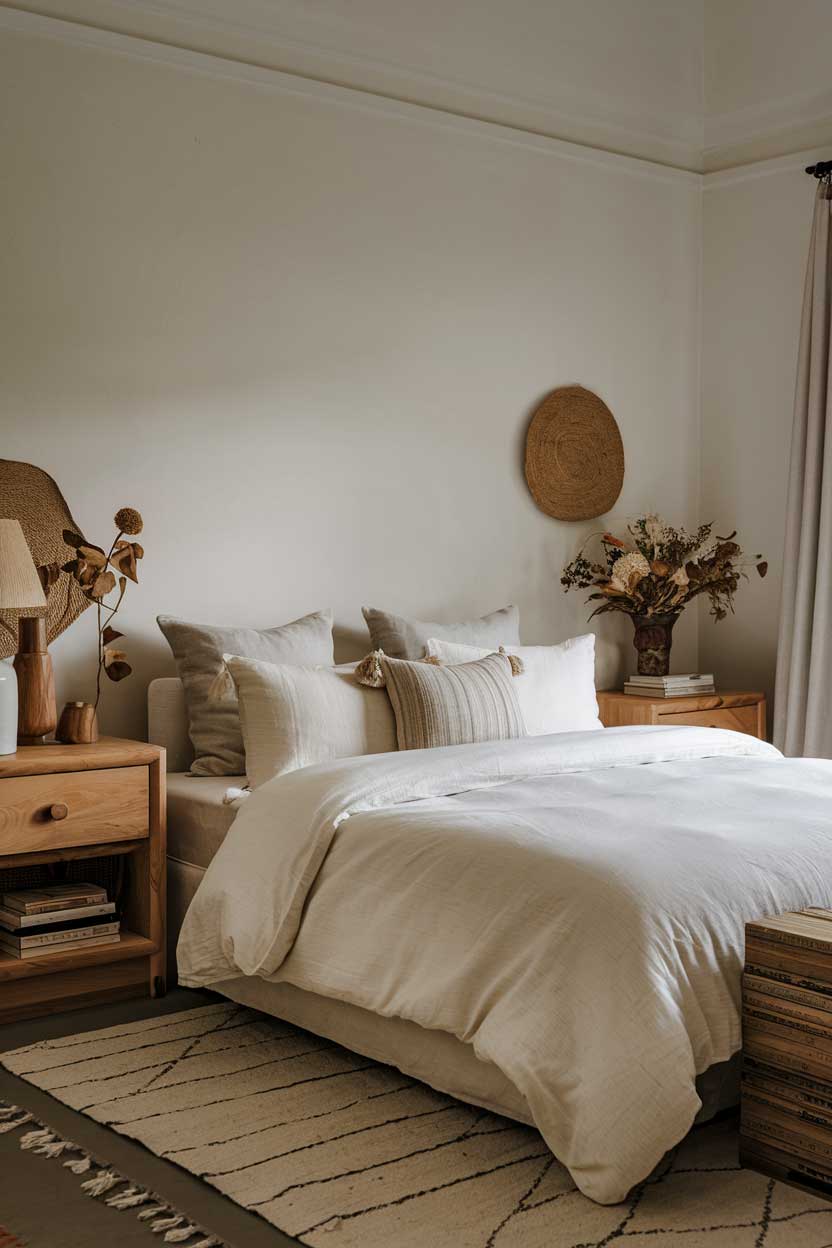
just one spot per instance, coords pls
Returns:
(574, 455)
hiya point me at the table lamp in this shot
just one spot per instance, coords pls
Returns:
(21, 590)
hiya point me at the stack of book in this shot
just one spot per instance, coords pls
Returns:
(786, 1114)
(682, 686)
(34, 921)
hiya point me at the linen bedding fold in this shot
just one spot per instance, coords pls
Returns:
(572, 906)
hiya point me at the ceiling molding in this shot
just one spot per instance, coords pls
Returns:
(573, 124)
(565, 111)
(765, 121)
(793, 162)
(174, 56)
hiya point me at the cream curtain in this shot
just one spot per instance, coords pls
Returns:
(803, 697)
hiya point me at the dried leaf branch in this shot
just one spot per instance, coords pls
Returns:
(92, 568)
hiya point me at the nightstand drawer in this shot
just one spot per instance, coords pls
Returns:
(73, 808)
(737, 718)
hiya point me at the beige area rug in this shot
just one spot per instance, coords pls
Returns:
(344, 1153)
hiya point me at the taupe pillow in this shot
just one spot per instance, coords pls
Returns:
(214, 723)
(457, 705)
(403, 638)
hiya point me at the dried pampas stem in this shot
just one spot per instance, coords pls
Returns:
(369, 671)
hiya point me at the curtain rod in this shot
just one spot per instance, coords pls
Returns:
(821, 170)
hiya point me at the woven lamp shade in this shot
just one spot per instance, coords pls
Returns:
(574, 455)
(20, 587)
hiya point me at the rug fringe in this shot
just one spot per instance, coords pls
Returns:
(173, 1227)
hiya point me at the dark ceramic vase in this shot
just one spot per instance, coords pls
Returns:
(652, 640)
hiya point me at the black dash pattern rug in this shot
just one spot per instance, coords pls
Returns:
(342, 1152)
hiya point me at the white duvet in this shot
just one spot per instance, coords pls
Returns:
(572, 906)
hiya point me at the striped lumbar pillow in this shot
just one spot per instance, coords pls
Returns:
(456, 705)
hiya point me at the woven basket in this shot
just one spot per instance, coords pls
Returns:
(574, 455)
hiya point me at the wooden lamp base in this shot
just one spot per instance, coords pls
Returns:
(37, 712)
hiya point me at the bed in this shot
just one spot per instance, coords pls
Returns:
(549, 927)
(199, 816)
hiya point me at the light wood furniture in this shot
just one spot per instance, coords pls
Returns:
(63, 803)
(37, 713)
(741, 712)
(786, 1104)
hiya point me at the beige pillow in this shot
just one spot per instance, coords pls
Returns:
(295, 716)
(214, 724)
(403, 638)
(457, 705)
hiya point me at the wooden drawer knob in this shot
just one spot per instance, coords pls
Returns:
(58, 811)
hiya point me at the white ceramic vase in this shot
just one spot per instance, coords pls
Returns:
(8, 707)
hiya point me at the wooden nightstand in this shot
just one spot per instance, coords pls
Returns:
(742, 712)
(86, 812)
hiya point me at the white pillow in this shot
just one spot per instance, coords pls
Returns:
(292, 716)
(556, 689)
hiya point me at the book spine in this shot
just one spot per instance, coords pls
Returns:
(797, 981)
(786, 994)
(29, 921)
(791, 1013)
(783, 1131)
(790, 1031)
(59, 938)
(41, 907)
(814, 1098)
(802, 1113)
(786, 1055)
(798, 940)
(40, 951)
(793, 960)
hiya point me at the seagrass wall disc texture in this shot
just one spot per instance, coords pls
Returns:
(574, 455)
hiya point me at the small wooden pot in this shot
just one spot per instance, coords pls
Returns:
(78, 724)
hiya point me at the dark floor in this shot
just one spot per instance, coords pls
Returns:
(42, 1203)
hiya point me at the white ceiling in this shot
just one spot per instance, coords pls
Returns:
(692, 83)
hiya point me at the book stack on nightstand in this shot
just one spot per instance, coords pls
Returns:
(34, 921)
(786, 1113)
(669, 686)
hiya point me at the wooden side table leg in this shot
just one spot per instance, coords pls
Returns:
(156, 870)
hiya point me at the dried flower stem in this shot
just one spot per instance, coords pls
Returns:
(92, 569)
(101, 626)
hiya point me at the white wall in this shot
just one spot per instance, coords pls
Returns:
(304, 339)
(756, 236)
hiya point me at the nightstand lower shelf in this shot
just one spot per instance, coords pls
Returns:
(129, 946)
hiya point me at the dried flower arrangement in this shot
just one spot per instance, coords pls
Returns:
(653, 576)
(96, 573)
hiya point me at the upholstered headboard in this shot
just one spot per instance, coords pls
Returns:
(167, 721)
